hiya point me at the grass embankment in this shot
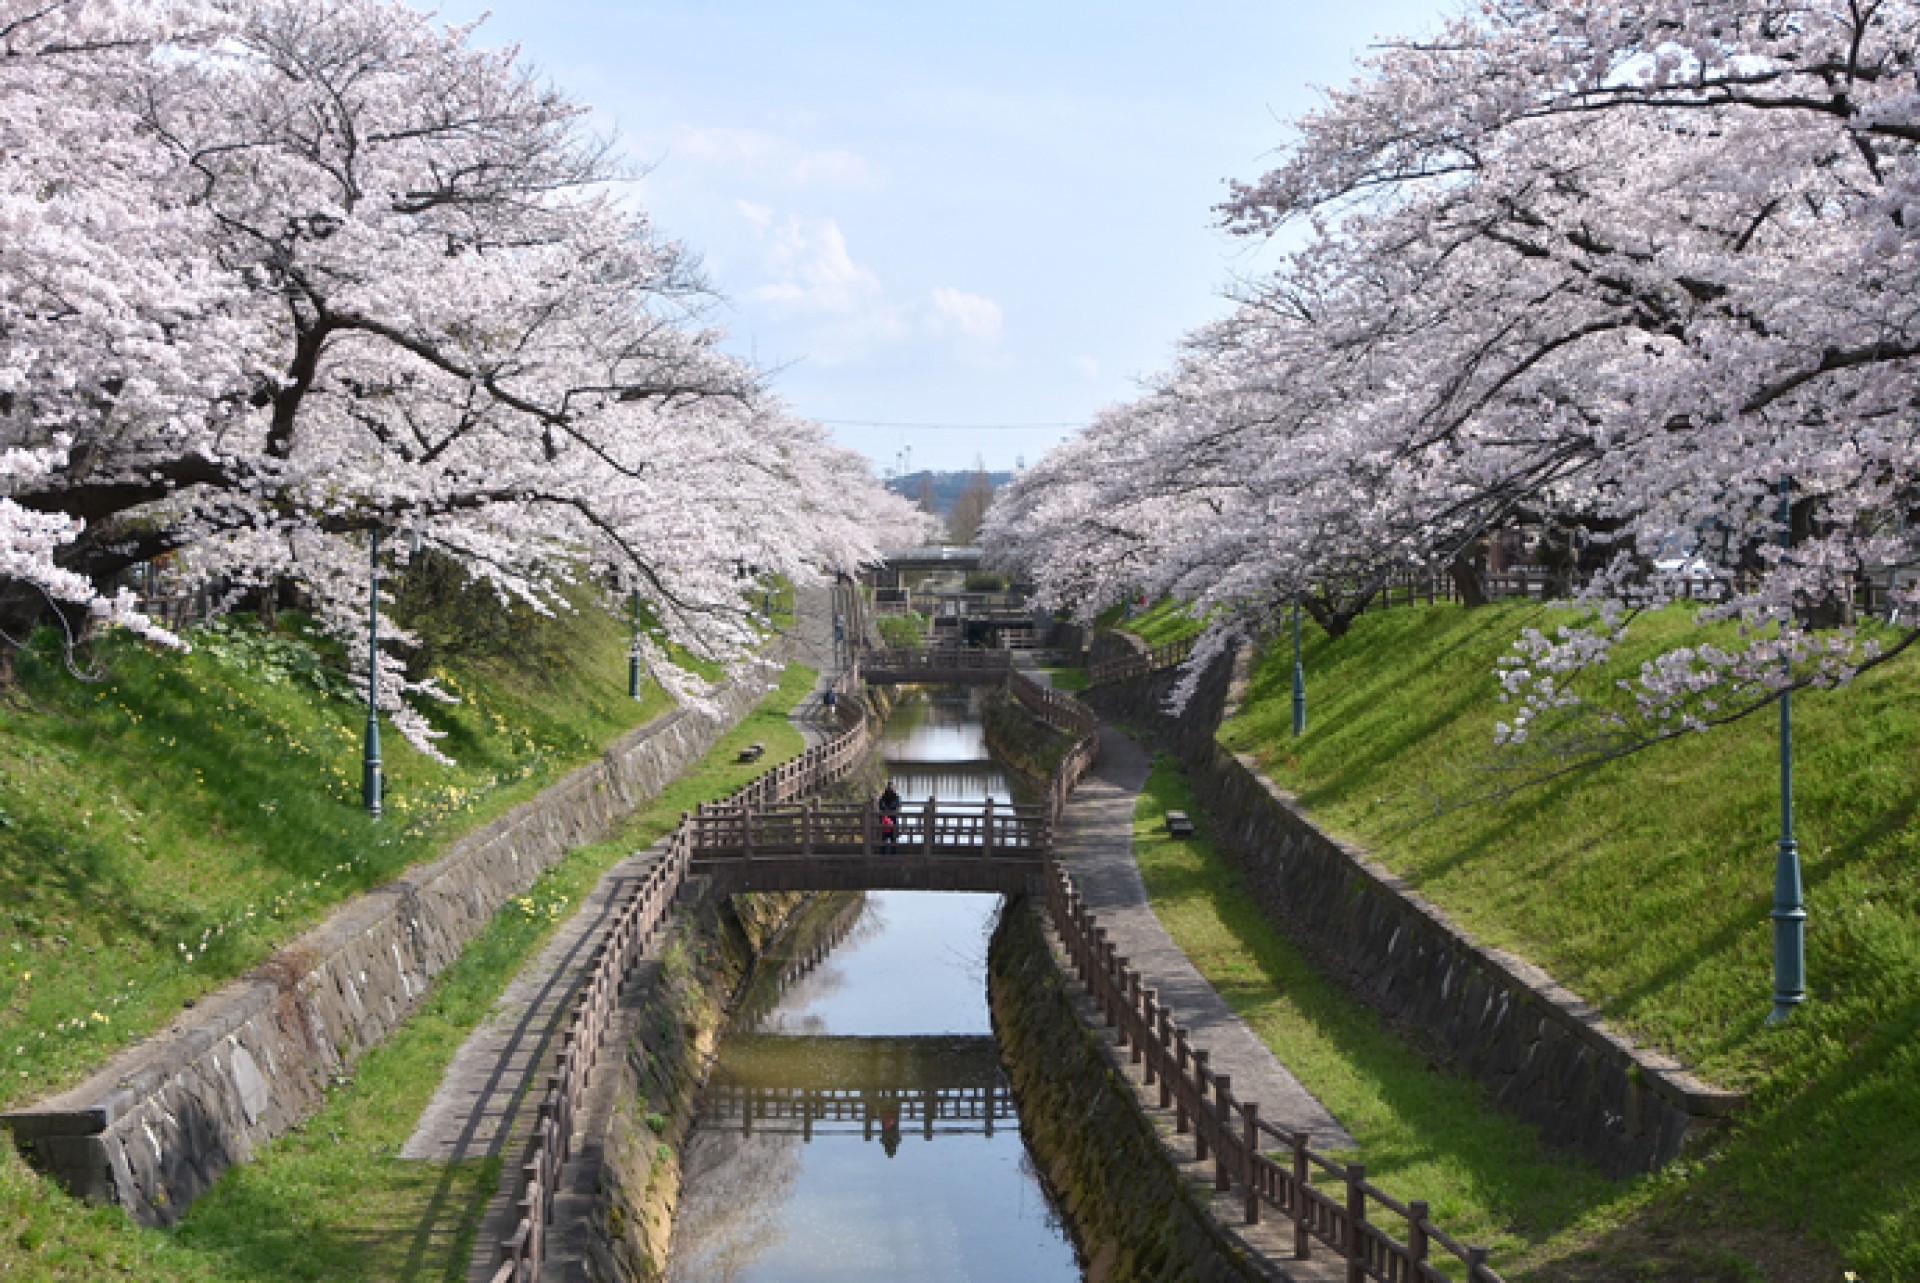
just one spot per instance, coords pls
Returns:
(908, 630)
(166, 828)
(1644, 884)
(1067, 679)
(1165, 621)
(333, 1200)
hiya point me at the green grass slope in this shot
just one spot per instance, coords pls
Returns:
(333, 1200)
(1645, 884)
(166, 828)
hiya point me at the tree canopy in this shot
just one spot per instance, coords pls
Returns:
(280, 273)
(1642, 273)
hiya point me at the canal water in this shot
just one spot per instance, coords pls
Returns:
(857, 1125)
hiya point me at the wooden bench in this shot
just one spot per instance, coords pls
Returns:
(1178, 825)
(751, 753)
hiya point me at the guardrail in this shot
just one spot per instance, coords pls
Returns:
(931, 663)
(1056, 709)
(612, 962)
(813, 829)
(523, 1252)
(1150, 661)
(1231, 1132)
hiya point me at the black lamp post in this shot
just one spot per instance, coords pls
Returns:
(370, 766)
(1299, 677)
(1789, 903)
(633, 651)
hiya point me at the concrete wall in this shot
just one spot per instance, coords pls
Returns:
(1543, 1053)
(155, 1128)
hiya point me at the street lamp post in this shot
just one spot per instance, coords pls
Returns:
(1789, 905)
(370, 776)
(633, 652)
(1299, 677)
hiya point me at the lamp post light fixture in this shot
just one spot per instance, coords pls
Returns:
(1299, 677)
(633, 652)
(370, 765)
(1789, 904)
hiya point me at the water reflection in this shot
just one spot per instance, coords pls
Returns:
(858, 1124)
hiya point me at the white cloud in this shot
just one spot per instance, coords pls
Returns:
(1089, 367)
(975, 318)
(766, 157)
(814, 279)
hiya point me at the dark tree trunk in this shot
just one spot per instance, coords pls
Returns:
(1469, 581)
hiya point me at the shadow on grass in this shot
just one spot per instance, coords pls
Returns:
(1414, 1121)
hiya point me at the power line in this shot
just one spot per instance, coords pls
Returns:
(944, 427)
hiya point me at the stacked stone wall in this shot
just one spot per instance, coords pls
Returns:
(155, 1128)
(1543, 1053)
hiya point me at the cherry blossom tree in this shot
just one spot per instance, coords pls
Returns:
(1641, 271)
(302, 270)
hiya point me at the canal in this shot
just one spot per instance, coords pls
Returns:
(857, 1124)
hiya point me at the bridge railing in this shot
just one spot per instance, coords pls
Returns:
(613, 960)
(934, 660)
(1139, 665)
(986, 829)
(523, 1252)
(1059, 710)
(1336, 1211)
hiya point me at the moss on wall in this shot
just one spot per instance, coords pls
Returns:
(1130, 1211)
(1023, 740)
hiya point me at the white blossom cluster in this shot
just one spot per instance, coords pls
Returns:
(1643, 273)
(277, 274)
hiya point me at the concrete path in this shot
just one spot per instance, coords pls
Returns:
(487, 1100)
(813, 646)
(1096, 844)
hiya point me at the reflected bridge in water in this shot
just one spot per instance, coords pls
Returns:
(784, 1084)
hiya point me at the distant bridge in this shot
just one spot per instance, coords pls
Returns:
(813, 846)
(936, 665)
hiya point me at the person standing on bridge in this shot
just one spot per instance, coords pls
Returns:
(889, 805)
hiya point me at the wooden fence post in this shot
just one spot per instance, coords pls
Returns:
(1133, 1015)
(927, 837)
(1180, 1120)
(1166, 1059)
(1302, 1182)
(1116, 995)
(986, 831)
(1250, 1170)
(1223, 1137)
(1356, 1223)
(1149, 1014)
(1201, 1079)
(1417, 1212)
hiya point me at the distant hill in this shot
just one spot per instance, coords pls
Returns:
(946, 486)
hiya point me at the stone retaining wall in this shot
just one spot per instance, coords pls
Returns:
(1542, 1052)
(154, 1129)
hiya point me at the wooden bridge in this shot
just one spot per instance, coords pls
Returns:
(936, 664)
(816, 846)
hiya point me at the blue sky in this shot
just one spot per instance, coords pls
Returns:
(990, 213)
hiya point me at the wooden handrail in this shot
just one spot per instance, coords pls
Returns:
(1229, 1131)
(523, 1252)
(1170, 655)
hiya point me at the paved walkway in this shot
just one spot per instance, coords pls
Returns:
(813, 646)
(1095, 842)
(487, 1100)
